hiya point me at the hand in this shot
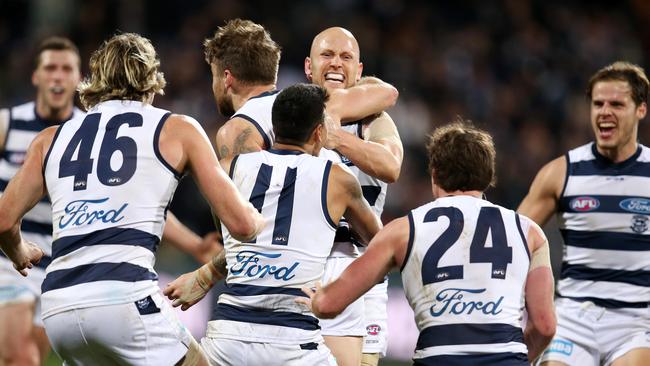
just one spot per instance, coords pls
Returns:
(25, 256)
(210, 245)
(190, 288)
(332, 127)
(309, 292)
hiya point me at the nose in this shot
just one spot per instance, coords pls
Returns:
(336, 61)
(605, 109)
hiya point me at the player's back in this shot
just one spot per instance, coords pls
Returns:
(257, 110)
(110, 189)
(289, 188)
(464, 275)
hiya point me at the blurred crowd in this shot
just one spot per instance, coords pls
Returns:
(517, 68)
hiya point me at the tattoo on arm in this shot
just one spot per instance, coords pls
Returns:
(241, 145)
(223, 152)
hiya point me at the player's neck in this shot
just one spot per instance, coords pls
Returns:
(619, 153)
(246, 93)
(53, 114)
(441, 193)
(291, 147)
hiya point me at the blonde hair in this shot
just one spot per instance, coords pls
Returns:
(124, 67)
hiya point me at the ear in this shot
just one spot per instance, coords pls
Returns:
(641, 110)
(228, 79)
(360, 71)
(308, 68)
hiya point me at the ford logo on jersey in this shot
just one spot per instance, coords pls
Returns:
(86, 212)
(583, 204)
(636, 205)
(247, 265)
(451, 301)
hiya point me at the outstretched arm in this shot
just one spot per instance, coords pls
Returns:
(541, 201)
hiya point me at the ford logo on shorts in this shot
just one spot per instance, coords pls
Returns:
(636, 205)
(584, 204)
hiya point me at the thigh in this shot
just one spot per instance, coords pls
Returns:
(628, 337)
(16, 337)
(634, 357)
(346, 350)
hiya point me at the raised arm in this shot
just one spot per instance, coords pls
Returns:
(542, 199)
(25, 189)
(541, 323)
(370, 96)
(184, 145)
(238, 136)
(379, 154)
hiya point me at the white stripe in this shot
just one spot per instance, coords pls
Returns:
(602, 185)
(7, 171)
(609, 259)
(23, 112)
(19, 140)
(603, 290)
(104, 254)
(612, 222)
(275, 302)
(471, 349)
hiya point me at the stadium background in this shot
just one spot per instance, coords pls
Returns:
(517, 68)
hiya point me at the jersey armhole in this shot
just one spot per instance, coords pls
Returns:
(156, 147)
(566, 175)
(231, 171)
(411, 240)
(49, 151)
(267, 140)
(323, 194)
(523, 236)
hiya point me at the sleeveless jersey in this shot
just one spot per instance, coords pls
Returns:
(603, 217)
(257, 110)
(264, 277)
(24, 125)
(464, 276)
(110, 189)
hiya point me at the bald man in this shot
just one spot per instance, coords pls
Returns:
(372, 149)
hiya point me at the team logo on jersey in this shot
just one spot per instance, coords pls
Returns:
(373, 329)
(560, 346)
(636, 205)
(451, 301)
(639, 224)
(584, 204)
(85, 212)
(247, 265)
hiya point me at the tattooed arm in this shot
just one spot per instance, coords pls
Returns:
(238, 136)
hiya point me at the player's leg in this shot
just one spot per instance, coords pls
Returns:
(194, 356)
(346, 349)
(17, 346)
(627, 331)
(634, 357)
(370, 359)
(553, 363)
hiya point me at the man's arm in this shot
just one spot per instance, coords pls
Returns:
(184, 239)
(370, 96)
(542, 199)
(4, 127)
(541, 323)
(24, 191)
(378, 155)
(386, 250)
(238, 136)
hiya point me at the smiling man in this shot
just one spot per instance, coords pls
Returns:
(601, 192)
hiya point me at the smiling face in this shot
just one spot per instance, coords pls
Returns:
(56, 78)
(334, 60)
(615, 118)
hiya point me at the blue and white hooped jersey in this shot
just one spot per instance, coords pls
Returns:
(24, 125)
(464, 275)
(264, 277)
(257, 110)
(603, 217)
(110, 189)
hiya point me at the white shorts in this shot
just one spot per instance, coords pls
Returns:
(226, 352)
(376, 319)
(351, 321)
(146, 332)
(588, 334)
(15, 289)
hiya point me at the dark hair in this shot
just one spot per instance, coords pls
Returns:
(461, 157)
(623, 71)
(297, 111)
(55, 43)
(246, 49)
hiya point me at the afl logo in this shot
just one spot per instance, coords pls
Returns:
(584, 204)
(373, 329)
(636, 205)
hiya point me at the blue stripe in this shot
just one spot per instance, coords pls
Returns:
(236, 289)
(468, 333)
(284, 212)
(501, 359)
(4, 184)
(603, 166)
(156, 146)
(125, 272)
(35, 125)
(233, 162)
(523, 236)
(606, 240)
(265, 94)
(607, 303)
(580, 272)
(371, 193)
(605, 204)
(323, 194)
(410, 242)
(49, 150)
(285, 152)
(112, 236)
(262, 316)
(30, 226)
(258, 195)
(45, 260)
(267, 140)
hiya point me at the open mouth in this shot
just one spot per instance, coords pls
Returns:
(606, 129)
(57, 90)
(335, 77)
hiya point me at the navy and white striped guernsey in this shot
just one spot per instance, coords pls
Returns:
(24, 125)
(603, 217)
(110, 189)
(265, 276)
(464, 275)
(257, 110)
